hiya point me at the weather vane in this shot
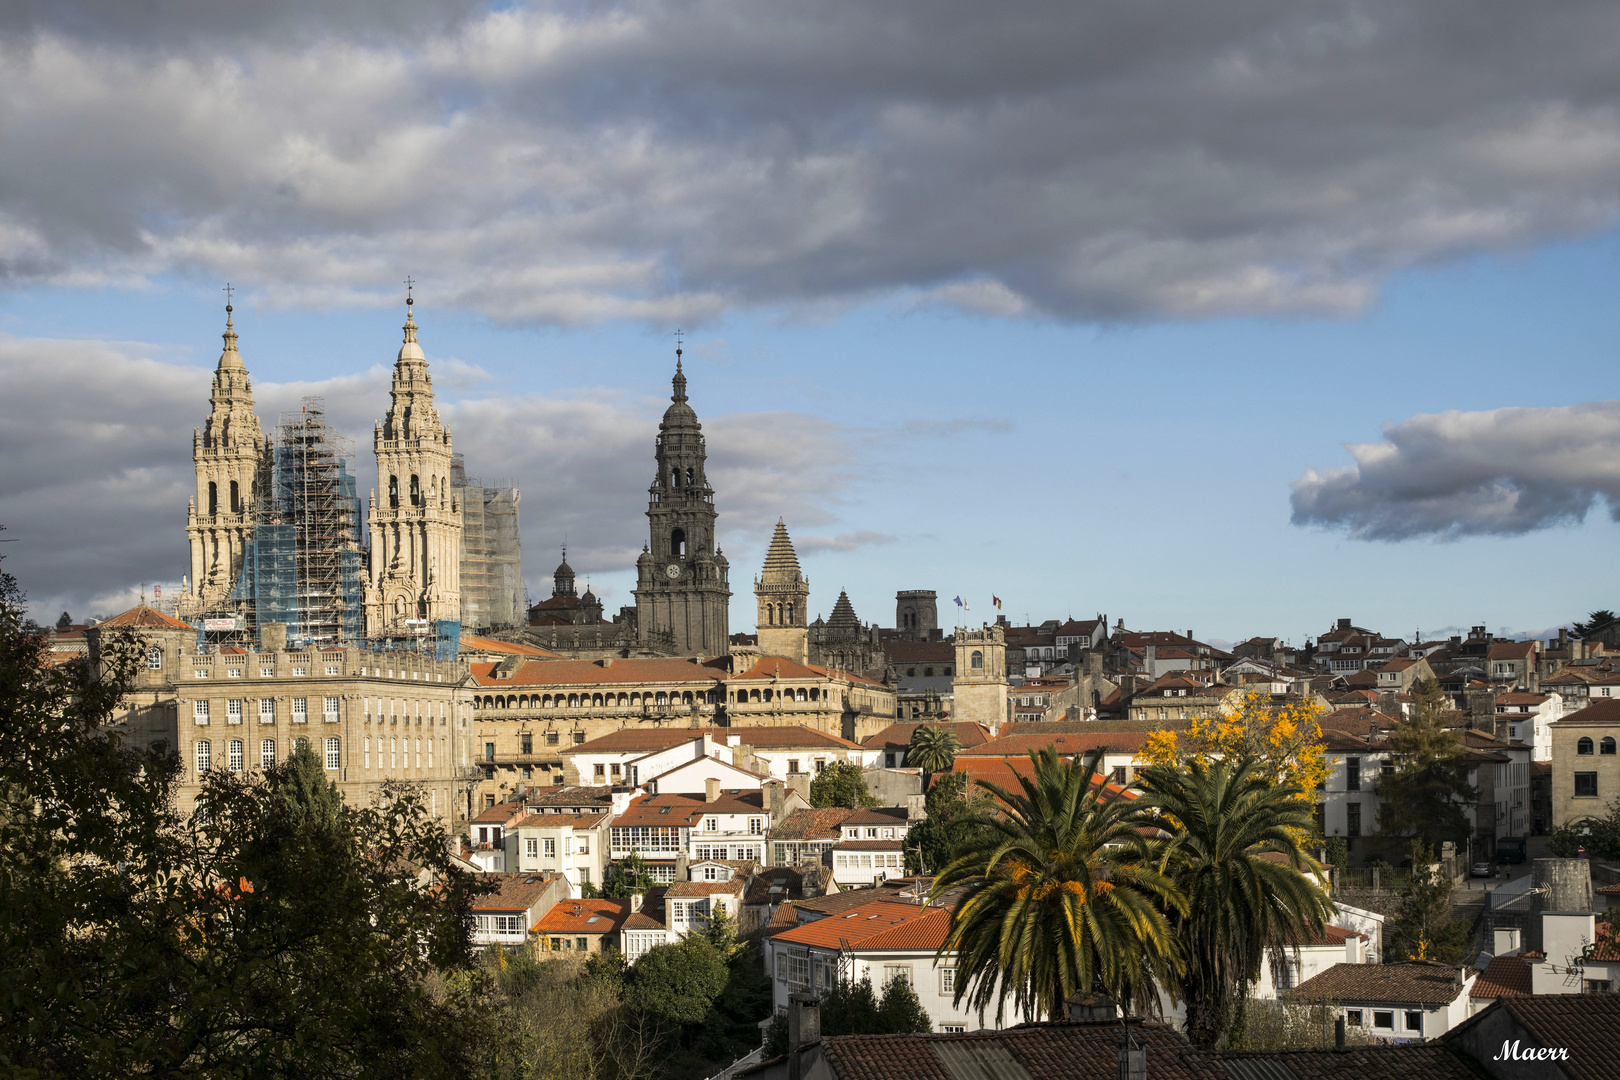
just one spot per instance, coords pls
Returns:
(679, 333)
(229, 292)
(409, 284)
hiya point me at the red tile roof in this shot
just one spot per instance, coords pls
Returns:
(820, 824)
(879, 924)
(514, 892)
(593, 673)
(583, 917)
(1604, 712)
(1417, 981)
(898, 736)
(1511, 650)
(1507, 976)
(1065, 742)
(145, 618)
(477, 643)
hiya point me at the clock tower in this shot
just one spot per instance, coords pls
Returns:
(682, 593)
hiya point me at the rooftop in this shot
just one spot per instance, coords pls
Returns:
(1422, 982)
(583, 917)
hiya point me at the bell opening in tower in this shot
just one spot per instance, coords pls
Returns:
(677, 543)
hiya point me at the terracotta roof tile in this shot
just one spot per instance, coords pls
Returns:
(1507, 976)
(144, 618)
(1584, 1023)
(1604, 712)
(820, 824)
(576, 917)
(1416, 981)
(898, 736)
(514, 892)
(877, 924)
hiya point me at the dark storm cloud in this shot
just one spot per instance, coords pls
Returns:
(96, 440)
(662, 161)
(1503, 472)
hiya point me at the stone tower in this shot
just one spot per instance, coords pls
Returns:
(916, 613)
(416, 521)
(682, 588)
(232, 460)
(782, 593)
(980, 683)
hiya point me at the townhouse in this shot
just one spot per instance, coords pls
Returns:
(871, 847)
(505, 915)
(580, 927)
(891, 743)
(1529, 717)
(1407, 1000)
(1586, 765)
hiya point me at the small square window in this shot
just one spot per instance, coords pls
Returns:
(1414, 1021)
(581, 944)
(267, 673)
(334, 669)
(1586, 785)
(300, 671)
(233, 673)
(1352, 1017)
(1384, 1020)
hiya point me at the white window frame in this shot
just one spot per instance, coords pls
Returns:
(300, 710)
(199, 712)
(267, 753)
(334, 753)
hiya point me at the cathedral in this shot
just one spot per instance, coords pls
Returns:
(279, 534)
(683, 587)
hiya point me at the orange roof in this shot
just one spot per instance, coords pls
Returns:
(143, 617)
(1507, 976)
(780, 667)
(1511, 650)
(476, 643)
(967, 733)
(880, 924)
(1020, 745)
(583, 917)
(1604, 712)
(1005, 772)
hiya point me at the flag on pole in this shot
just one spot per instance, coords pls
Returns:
(961, 603)
(996, 600)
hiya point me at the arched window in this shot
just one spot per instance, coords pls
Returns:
(596, 699)
(204, 756)
(393, 491)
(1584, 746)
(977, 660)
(267, 753)
(787, 620)
(770, 614)
(213, 497)
(154, 658)
(234, 759)
(573, 701)
(689, 478)
(677, 543)
(815, 694)
(661, 699)
(236, 498)
(675, 478)
(686, 699)
(753, 695)
(624, 700)
(416, 491)
(1607, 745)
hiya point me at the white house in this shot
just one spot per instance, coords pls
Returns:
(503, 917)
(1528, 717)
(1407, 1001)
(573, 844)
(871, 847)
(881, 940)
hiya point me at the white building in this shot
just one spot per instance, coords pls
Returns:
(1408, 1001)
(871, 847)
(881, 941)
(1528, 717)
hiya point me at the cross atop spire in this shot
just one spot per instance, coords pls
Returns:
(230, 330)
(410, 318)
(680, 378)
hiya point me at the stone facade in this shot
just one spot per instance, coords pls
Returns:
(370, 717)
(232, 460)
(782, 593)
(979, 687)
(682, 588)
(845, 643)
(416, 521)
(1586, 762)
(916, 614)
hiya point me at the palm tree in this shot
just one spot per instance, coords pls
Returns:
(1058, 898)
(932, 748)
(1222, 819)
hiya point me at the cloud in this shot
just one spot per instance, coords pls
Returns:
(96, 440)
(956, 426)
(1503, 472)
(660, 161)
(847, 541)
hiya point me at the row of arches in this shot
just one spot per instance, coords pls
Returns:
(779, 615)
(439, 487)
(675, 477)
(634, 700)
(236, 505)
(1584, 746)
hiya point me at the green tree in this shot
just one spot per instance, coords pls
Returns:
(901, 1012)
(1595, 623)
(64, 621)
(1337, 853)
(1599, 836)
(1423, 928)
(932, 748)
(249, 940)
(1058, 897)
(678, 982)
(626, 877)
(1220, 819)
(840, 784)
(1428, 795)
(957, 814)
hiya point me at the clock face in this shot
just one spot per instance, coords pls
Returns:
(673, 570)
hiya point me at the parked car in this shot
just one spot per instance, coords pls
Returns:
(1481, 869)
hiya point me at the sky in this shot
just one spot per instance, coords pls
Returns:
(1233, 319)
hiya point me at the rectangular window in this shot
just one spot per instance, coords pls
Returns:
(601, 771)
(584, 844)
(200, 673)
(267, 753)
(581, 944)
(756, 826)
(489, 751)
(333, 669)
(300, 671)
(551, 738)
(531, 847)
(891, 972)
(300, 710)
(1384, 1020)
(199, 711)
(579, 737)
(953, 1029)
(1585, 785)
(1352, 1017)
(527, 742)
(551, 849)
(233, 711)
(1352, 774)
(233, 672)
(204, 756)
(947, 980)
(1352, 819)
(329, 709)
(235, 758)
(334, 753)
(793, 765)
(267, 673)
(154, 659)
(1414, 1022)
(267, 710)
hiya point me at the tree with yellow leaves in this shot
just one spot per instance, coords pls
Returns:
(1284, 742)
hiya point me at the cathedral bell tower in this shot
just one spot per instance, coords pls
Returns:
(682, 592)
(231, 457)
(783, 594)
(415, 515)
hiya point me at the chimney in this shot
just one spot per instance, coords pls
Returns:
(804, 1031)
(775, 796)
(1338, 1034)
(1344, 624)
(711, 789)
(635, 902)
(1132, 1059)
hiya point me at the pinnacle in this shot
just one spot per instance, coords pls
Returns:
(781, 561)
